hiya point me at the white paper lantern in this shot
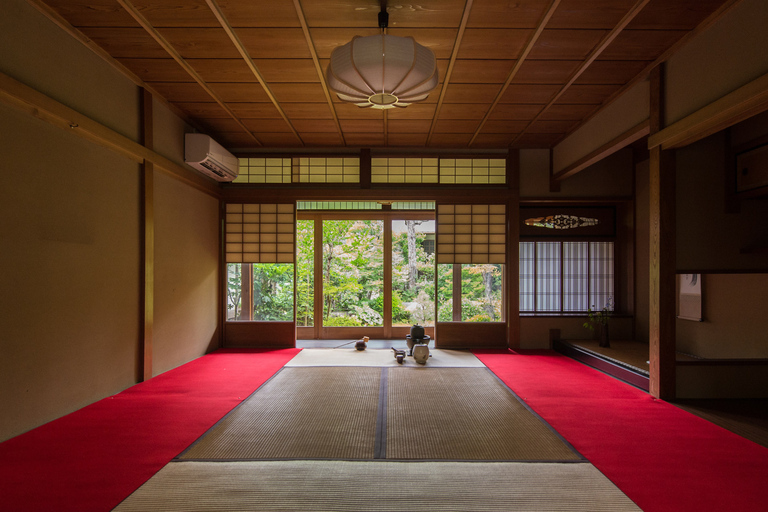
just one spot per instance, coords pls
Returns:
(382, 71)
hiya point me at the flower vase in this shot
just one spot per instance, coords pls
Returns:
(604, 338)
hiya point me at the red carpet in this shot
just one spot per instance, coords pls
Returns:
(95, 457)
(662, 457)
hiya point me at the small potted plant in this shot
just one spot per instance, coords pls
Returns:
(599, 319)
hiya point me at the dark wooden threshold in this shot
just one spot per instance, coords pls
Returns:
(614, 368)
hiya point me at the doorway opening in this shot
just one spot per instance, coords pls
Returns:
(364, 273)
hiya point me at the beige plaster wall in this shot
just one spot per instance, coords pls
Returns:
(726, 56)
(186, 273)
(610, 177)
(733, 326)
(69, 271)
(626, 112)
(70, 267)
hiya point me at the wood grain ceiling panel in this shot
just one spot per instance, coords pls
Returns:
(587, 94)
(267, 125)
(439, 40)
(156, 70)
(641, 44)
(561, 112)
(506, 14)
(415, 111)
(493, 140)
(564, 44)
(537, 94)
(546, 71)
(287, 70)
(590, 14)
(275, 13)
(315, 125)
(276, 140)
(497, 43)
(322, 139)
(398, 139)
(255, 110)
(409, 125)
(456, 126)
(308, 110)
(240, 92)
(362, 125)
(230, 125)
(466, 111)
(365, 139)
(481, 71)
(92, 13)
(200, 43)
(176, 13)
(298, 92)
(182, 91)
(203, 110)
(122, 42)
(504, 126)
(222, 70)
(612, 71)
(677, 15)
(471, 93)
(274, 43)
(364, 13)
(515, 112)
(460, 140)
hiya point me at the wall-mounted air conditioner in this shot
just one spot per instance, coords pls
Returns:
(209, 157)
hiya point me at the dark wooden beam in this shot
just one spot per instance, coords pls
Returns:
(662, 254)
(512, 281)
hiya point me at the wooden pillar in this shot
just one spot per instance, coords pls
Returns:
(662, 253)
(246, 291)
(512, 273)
(148, 240)
(365, 168)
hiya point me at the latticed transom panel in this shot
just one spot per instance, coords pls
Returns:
(259, 233)
(471, 233)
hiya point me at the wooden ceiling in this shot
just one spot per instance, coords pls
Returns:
(513, 73)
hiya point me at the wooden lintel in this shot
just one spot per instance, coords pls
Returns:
(743, 103)
(37, 104)
(625, 139)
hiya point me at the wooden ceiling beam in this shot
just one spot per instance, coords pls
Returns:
(528, 47)
(451, 62)
(141, 20)
(216, 10)
(600, 48)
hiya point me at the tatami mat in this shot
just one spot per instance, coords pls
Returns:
(301, 413)
(464, 414)
(348, 356)
(382, 486)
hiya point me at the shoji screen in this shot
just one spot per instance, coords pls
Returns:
(473, 233)
(259, 233)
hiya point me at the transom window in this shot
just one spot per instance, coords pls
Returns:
(559, 277)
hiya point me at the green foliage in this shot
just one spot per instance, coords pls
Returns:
(600, 317)
(342, 321)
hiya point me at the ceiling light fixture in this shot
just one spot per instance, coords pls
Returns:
(382, 71)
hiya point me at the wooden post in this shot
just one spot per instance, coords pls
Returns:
(148, 240)
(512, 274)
(662, 254)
